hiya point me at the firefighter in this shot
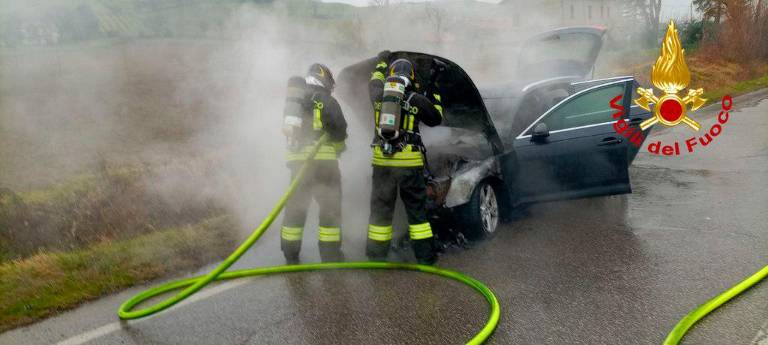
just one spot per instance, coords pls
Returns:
(310, 112)
(398, 156)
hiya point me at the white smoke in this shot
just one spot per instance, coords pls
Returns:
(205, 113)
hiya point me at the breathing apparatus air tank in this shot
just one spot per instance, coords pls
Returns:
(390, 117)
(295, 111)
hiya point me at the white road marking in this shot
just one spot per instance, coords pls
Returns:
(762, 336)
(91, 335)
(85, 337)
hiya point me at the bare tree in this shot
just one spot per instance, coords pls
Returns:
(378, 3)
(646, 12)
(761, 25)
(711, 9)
(436, 16)
(736, 28)
(649, 10)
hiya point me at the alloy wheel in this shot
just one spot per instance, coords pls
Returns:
(489, 209)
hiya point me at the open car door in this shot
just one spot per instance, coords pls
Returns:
(572, 150)
(463, 106)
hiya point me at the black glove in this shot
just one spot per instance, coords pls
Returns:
(436, 69)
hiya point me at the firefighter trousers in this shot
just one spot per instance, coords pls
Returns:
(411, 184)
(322, 182)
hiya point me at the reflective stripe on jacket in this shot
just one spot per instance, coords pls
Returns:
(407, 158)
(326, 118)
(427, 109)
(327, 152)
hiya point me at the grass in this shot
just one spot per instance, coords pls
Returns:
(716, 77)
(48, 283)
(112, 204)
(720, 77)
(77, 185)
(751, 85)
(738, 88)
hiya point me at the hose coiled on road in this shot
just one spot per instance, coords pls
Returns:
(192, 285)
(682, 327)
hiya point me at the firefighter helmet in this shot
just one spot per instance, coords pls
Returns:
(322, 74)
(401, 68)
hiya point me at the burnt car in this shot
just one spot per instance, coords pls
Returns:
(546, 135)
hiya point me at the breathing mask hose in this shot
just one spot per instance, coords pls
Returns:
(682, 327)
(191, 285)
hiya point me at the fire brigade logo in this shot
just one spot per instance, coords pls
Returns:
(670, 74)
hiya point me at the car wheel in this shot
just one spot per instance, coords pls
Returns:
(479, 218)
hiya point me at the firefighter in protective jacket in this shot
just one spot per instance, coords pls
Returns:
(311, 111)
(400, 104)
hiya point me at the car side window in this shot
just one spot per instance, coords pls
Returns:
(586, 109)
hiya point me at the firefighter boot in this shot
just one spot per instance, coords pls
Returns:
(377, 250)
(291, 251)
(330, 251)
(425, 252)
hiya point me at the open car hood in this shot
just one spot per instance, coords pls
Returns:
(463, 107)
(570, 51)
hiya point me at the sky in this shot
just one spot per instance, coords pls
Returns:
(366, 2)
(670, 8)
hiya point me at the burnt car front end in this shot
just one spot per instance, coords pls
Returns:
(459, 160)
(461, 151)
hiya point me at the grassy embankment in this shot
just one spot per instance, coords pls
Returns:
(738, 88)
(96, 234)
(50, 282)
(110, 205)
(717, 77)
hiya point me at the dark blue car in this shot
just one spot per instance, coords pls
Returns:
(547, 134)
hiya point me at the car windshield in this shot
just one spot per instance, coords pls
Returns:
(559, 54)
(562, 46)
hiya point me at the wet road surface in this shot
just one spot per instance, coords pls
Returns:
(611, 270)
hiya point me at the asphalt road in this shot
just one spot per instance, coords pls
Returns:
(612, 270)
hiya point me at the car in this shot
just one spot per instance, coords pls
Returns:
(546, 135)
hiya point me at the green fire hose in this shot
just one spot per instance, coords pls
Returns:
(191, 285)
(682, 327)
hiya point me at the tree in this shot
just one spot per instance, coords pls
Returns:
(378, 3)
(647, 12)
(736, 30)
(436, 16)
(711, 8)
(761, 26)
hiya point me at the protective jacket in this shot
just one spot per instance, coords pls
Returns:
(322, 182)
(326, 117)
(401, 172)
(418, 108)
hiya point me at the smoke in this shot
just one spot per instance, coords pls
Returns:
(199, 100)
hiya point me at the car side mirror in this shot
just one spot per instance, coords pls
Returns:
(540, 132)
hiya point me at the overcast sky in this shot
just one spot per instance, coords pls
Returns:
(669, 8)
(366, 2)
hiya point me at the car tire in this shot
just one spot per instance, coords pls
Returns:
(481, 216)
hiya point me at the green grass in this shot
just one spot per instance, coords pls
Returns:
(78, 185)
(751, 85)
(739, 88)
(47, 283)
(75, 186)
